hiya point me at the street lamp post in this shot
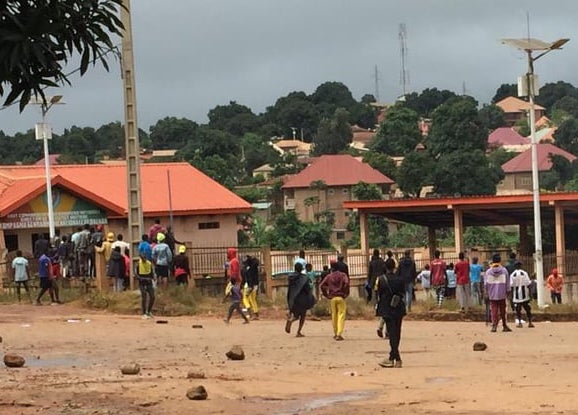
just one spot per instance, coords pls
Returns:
(531, 86)
(43, 132)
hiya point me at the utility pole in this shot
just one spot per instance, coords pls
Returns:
(134, 201)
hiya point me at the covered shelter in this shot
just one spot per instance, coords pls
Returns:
(460, 212)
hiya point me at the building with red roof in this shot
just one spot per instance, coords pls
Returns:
(508, 139)
(326, 183)
(516, 109)
(203, 211)
(518, 171)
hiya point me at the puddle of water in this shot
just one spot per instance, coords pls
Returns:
(65, 361)
(303, 405)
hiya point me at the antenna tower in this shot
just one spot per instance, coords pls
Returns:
(404, 73)
(376, 80)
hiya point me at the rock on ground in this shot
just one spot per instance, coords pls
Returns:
(130, 369)
(480, 346)
(236, 353)
(13, 360)
(198, 393)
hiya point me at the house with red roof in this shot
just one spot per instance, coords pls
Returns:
(203, 211)
(326, 183)
(508, 139)
(518, 171)
(516, 109)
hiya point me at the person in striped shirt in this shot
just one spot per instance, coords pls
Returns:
(520, 283)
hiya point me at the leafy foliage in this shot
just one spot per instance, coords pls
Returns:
(399, 134)
(334, 135)
(288, 232)
(38, 39)
(425, 103)
(415, 172)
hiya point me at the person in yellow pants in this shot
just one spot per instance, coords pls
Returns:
(251, 286)
(335, 287)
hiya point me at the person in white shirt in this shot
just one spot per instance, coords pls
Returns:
(21, 275)
(520, 283)
(122, 244)
(425, 278)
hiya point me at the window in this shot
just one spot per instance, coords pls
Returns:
(209, 225)
(345, 191)
(331, 192)
(340, 235)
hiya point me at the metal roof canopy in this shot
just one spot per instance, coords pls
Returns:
(476, 210)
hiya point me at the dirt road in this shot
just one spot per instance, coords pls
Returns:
(73, 359)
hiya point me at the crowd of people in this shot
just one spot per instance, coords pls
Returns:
(75, 256)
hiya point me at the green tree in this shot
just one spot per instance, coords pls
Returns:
(399, 133)
(257, 151)
(235, 119)
(334, 135)
(294, 111)
(456, 125)
(568, 104)
(415, 172)
(381, 162)
(505, 91)
(366, 191)
(39, 38)
(172, 133)
(427, 101)
(554, 91)
(330, 96)
(492, 117)
(363, 115)
(481, 179)
(566, 136)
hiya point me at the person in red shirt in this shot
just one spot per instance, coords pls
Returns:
(438, 276)
(234, 270)
(462, 270)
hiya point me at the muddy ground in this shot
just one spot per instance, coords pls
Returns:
(73, 359)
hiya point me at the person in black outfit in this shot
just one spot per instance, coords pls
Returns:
(41, 246)
(408, 273)
(341, 265)
(390, 306)
(375, 269)
(299, 299)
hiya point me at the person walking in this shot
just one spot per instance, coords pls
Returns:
(391, 292)
(146, 278)
(555, 284)
(335, 287)
(425, 278)
(299, 299)
(342, 265)
(406, 270)
(475, 280)
(463, 293)
(234, 293)
(21, 275)
(520, 285)
(497, 289)
(438, 276)
(44, 270)
(252, 281)
(375, 269)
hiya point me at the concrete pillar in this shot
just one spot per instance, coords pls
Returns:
(458, 230)
(364, 233)
(268, 266)
(560, 240)
(431, 241)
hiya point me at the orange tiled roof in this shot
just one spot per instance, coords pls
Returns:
(523, 161)
(337, 170)
(192, 192)
(513, 104)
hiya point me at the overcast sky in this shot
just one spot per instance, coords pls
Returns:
(192, 55)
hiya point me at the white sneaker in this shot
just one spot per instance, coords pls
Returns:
(145, 317)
